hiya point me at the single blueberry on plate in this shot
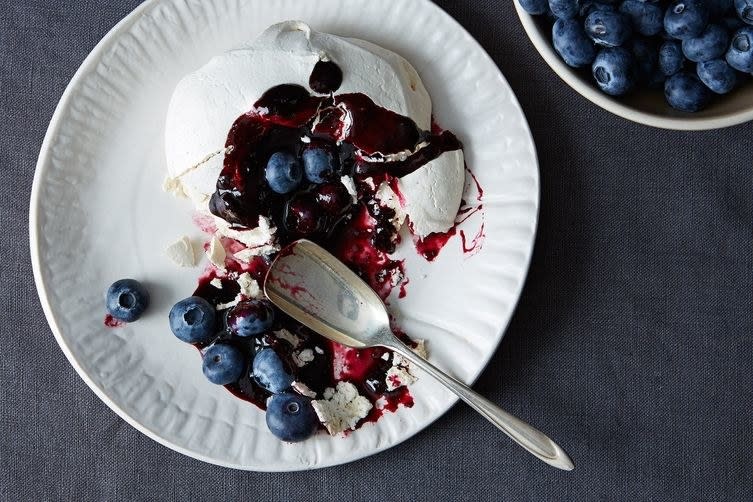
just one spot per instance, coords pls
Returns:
(685, 92)
(744, 10)
(250, 318)
(740, 52)
(126, 300)
(609, 28)
(614, 71)
(647, 18)
(535, 7)
(671, 58)
(291, 417)
(283, 172)
(318, 164)
(572, 43)
(223, 364)
(686, 18)
(710, 44)
(270, 373)
(717, 75)
(564, 9)
(192, 320)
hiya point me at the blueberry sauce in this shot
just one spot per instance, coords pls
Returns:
(372, 145)
(111, 322)
(326, 78)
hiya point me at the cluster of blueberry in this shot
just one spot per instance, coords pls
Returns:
(691, 48)
(290, 416)
(315, 209)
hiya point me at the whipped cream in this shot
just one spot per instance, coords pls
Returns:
(207, 102)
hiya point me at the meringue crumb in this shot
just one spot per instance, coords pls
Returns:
(181, 252)
(216, 282)
(342, 408)
(303, 389)
(216, 253)
(249, 287)
(350, 186)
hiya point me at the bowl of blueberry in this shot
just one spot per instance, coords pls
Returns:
(683, 64)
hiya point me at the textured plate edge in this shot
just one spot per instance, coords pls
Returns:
(613, 106)
(86, 66)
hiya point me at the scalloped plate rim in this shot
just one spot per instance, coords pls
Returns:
(41, 167)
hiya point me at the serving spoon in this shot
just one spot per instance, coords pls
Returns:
(319, 291)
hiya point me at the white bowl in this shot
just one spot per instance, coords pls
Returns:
(645, 107)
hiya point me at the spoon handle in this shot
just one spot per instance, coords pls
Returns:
(533, 440)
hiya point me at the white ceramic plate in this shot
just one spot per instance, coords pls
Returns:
(98, 214)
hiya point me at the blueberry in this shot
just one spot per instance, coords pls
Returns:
(318, 164)
(686, 92)
(302, 215)
(223, 364)
(710, 44)
(564, 9)
(646, 58)
(535, 7)
(717, 75)
(608, 28)
(744, 10)
(126, 300)
(671, 58)
(192, 320)
(283, 172)
(250, 318)
(589, 6)
(740, 53)
(270, 373)
(333, 198)
(572, 43)
(291, 417)
(614, 71)
(647, 18)
(686, 18)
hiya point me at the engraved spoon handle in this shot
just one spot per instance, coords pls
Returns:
(530, 438)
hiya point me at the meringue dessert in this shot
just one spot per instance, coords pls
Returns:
(301, 134)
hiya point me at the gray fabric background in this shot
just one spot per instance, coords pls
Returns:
(632, 344)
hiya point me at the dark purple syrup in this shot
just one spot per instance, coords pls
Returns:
(289, 118)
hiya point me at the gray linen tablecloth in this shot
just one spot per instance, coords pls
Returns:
(632, 344)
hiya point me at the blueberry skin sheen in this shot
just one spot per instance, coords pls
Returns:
(318, 164)
(717, 75)
(126, 300)
(270, 373)
(647, 18)
(222, 364)
(291, 417)
(250, 318)
(283, 172)
(685, 92)
(564, 9)
(608, 28)
(744, 9)
(588, 7)
(572, 43)
(192, 320)
(686, 19)
(614, 71)
(740, 52)
(535, 7)
(671, 58)
(710, 44)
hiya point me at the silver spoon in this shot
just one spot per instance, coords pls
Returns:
(319, 291)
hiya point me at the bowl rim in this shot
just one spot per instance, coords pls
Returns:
(690, 123)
